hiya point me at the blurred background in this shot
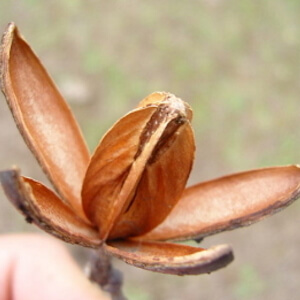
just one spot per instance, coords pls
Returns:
(238, 65)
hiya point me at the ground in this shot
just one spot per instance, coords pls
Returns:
(236, 62)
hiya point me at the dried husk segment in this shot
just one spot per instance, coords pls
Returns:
(42, 207)
(43, 118)
(128, 189)
(171, 258)
(229, 202)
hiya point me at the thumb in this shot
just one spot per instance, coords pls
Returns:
(38, 267)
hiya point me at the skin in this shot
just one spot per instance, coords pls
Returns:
(38, 267)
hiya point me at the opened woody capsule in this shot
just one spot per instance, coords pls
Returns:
(129, 197)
